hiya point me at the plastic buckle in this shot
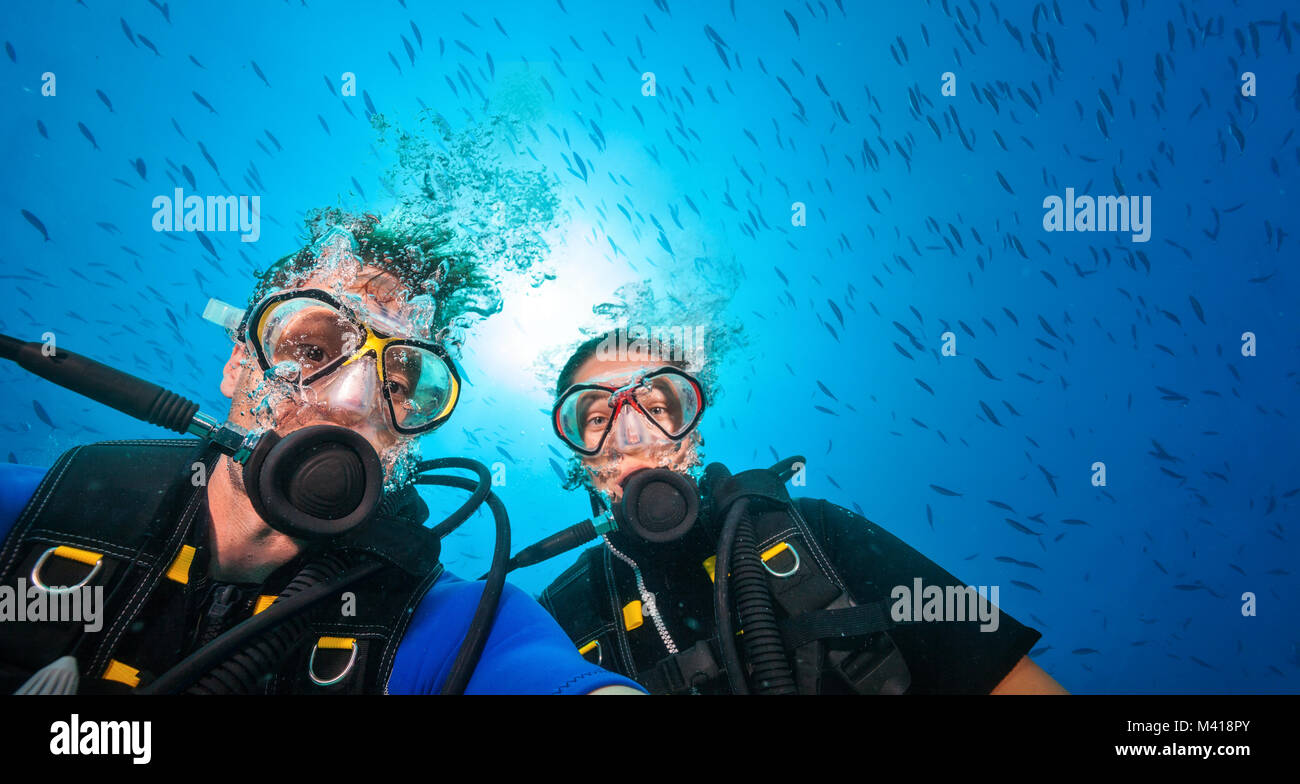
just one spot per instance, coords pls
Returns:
(877, 667)
(695, 665)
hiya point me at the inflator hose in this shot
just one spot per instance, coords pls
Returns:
(472, 648)
(763, 643)
(722, 598)
(770, 669)
(471, 505)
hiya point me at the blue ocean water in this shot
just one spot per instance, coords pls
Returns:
(922, 225)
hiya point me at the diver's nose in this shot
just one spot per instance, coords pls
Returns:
(631, 432)
(354, 388)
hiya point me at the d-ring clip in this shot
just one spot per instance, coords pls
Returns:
(311, 665)
(81, 556)
(791, 570)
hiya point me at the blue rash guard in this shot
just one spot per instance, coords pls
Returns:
(526, 653)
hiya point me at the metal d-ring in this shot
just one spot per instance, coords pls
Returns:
(600, 655)
(792, 570)
(36, 570)
(311, 666)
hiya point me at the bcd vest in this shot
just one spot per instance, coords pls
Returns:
(834, 645)
(122, 517)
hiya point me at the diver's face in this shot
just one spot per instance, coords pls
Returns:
(633, 443)
(351, 397)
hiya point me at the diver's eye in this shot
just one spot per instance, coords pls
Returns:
(596, 421)
(307, 352)
(397, 388)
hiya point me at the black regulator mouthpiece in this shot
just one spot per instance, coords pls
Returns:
(315, 483)
(658, 505)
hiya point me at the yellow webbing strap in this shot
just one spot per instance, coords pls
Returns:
(122, 673)
(77, 554)
(179, 571)
(336, 643)
(632, 617)
(263, 602)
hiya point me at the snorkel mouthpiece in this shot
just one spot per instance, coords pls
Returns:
(315, 483)
(658, 505)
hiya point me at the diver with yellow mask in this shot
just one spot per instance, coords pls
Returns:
(284, 550)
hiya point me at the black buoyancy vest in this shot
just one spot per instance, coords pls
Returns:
(597, 602)
(123, 516)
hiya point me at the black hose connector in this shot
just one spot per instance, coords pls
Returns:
(131, 395)
(571, 537)
(786, 468)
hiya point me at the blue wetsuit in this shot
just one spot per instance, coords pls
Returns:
(526, 653)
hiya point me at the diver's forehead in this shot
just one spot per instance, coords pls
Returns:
(597, 371)
(378, 295)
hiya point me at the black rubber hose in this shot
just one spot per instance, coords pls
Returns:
(770, 670)
(785, 468)
(471, 505)
(553, 545)
(481, 625)
(9, 347)
(722, 598)
(197, 664)
(130, 395)
(242, 672)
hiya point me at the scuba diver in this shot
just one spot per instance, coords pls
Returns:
(810, 583)
(280, 552)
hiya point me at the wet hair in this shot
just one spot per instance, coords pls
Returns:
(588, 349)
(420, 256)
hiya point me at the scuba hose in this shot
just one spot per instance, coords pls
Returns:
(659, 505)
(769, 668)
(765, 649)
(463, 666)
(722, 599)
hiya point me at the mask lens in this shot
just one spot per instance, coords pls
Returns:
(671, 402)
(311, 333)
(583, 417)
(419, 384)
